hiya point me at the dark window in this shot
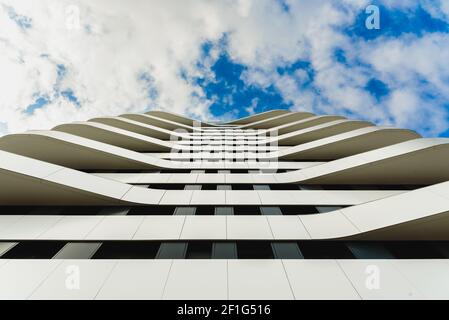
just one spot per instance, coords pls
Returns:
(366, 250)
(114, 211)
(6, 210)
(152, 210)
(81, 210)
(284, 186)
(168, 186)
(46, 211)
(199, 250)
(34, 250)
(294, 210)
(209, 187)
(239, 171)
(443, 248)
(254, 250)
(324, 250)
(413, 250)
(204, 210)
(246, 210)
(127, 250)
(175, 171)
(242, 187)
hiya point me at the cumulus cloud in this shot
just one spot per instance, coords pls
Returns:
(72, 60)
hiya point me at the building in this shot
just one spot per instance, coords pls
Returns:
(278, 205)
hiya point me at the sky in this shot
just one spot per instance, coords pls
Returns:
(64, 61)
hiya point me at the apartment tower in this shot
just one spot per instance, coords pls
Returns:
(277, 205)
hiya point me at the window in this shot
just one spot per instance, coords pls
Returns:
(78, 250)
(246, 210)
(6, 210)
(295, 210)
(192, 187)
(267, 211)
(363, 250)
(34, 250)
(152, 210)
(224, 250)
(324, 209)
(204, 210)
(254, 250)
(209, 187)
(168, 186)
(239, 171)
(413, 250)
(6, 246)
(224, 187)
(286, 250)
(261, 187)
(284, 187)
(199, 250)
(114, 211)
(324, 250)
(185, 211)
(197, 171)
(80, 210)
(127, 250)
(172, 250)
(224, 211)
(242, 187)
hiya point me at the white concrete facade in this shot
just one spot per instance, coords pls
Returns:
(159, 206)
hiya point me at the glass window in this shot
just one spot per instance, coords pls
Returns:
(270, 211)
(246, 210)
(34, 250)
(127, 250)
(324, 250)
(324, 209)
(294, 210)
(224, 187)
(152, 210)
(78, 250)
(261, 187)
(204, 211)
(367, 250)
(172, 250)
(224, 211)
(224, 250)
(185, 211)
(286, 250)
(192, 187)
(6, 246)
(254, 250)
(199, 250)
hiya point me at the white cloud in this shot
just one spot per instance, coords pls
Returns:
(116, 42)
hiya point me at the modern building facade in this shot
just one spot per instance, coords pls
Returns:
(278, 205)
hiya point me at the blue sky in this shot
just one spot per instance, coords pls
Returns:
(220, 62)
